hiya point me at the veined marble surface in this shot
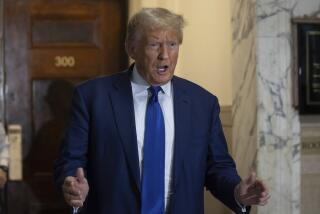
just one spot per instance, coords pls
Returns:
(278, 131)
(264, 122)
(278, 123)
(309, 8)
(244, 108)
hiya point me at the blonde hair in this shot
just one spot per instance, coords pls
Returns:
(153, 19)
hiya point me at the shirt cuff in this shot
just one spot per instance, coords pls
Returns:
(236, 193)
(243, 207)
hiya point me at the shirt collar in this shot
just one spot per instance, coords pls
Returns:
(141, 84)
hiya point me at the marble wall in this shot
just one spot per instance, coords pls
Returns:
(244, 108)
(266, 128)
(278, 123)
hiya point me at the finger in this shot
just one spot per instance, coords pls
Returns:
(251, 201)
(250, 191)
(71, 197)
(255, 200)
(76, 203)
(80, 175)
(251, 179)
(70, 180)
(257, 190)
(259, 201)
(247, 183)
(264, 200)
(254, 194)
(247, 198)
(261, 185)
(71, 189)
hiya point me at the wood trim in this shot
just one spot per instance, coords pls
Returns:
(226, 116)
(311, 20)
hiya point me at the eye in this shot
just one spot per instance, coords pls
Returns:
(153, 45)
(173, 44)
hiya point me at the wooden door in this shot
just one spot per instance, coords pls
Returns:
(50, 46)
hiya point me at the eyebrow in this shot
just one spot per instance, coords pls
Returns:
(154, 37)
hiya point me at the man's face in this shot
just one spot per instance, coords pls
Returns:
(156, 54)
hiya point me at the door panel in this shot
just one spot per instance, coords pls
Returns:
(49, 47)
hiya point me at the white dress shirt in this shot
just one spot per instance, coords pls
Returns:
(140, 100)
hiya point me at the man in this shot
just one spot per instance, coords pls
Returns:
(134, 147)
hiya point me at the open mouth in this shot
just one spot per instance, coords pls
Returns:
(162, 68)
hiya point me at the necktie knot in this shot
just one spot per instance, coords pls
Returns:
(154, 91)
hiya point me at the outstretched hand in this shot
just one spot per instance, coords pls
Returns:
(75, 189)
(252, 191)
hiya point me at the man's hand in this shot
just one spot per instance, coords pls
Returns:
(75, 189)
(252, 191)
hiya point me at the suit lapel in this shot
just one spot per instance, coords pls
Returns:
(122, 102)
(182, 122)
(123, 110)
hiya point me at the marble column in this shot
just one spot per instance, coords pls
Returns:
(244, 107)
(278, 126)
(266, 128)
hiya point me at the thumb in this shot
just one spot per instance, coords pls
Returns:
(251, 179)
(248, 182)
(80, 175)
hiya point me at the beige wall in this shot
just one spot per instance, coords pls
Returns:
(205, 55)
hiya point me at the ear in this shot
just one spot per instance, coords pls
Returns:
(131, 49)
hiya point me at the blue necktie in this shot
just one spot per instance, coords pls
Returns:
(153, 157)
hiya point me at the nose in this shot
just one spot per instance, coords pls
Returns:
(163, 52)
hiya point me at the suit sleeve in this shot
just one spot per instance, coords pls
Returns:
(74, 146)
(221, 175)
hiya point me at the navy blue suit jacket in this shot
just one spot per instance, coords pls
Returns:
(101, 138)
